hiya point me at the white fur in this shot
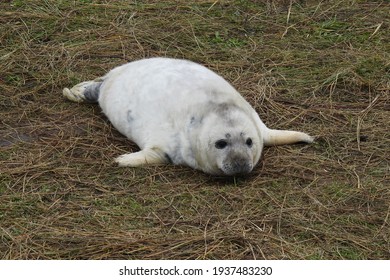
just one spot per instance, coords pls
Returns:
(176, 110)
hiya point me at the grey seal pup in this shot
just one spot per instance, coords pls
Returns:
(180, 112)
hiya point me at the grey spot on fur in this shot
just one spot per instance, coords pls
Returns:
(168, 158)
(215, 93)
(91, 93)
(194, 121)
(129, 116)
(223, 109)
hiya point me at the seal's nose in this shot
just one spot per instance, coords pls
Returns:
(241, 166)
(237, 166)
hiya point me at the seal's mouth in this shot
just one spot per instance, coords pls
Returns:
(240, 174)
(227, 170)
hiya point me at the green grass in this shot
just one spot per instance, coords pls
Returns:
(320, 67)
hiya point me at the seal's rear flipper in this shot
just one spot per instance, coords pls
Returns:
(275, 137)
(84, 92)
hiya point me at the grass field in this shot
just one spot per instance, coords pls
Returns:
(322, 67)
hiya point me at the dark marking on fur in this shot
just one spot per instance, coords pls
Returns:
(196, 121)
(168, 158)
(129, 116)
(91, 93)
(216, 93)
(224, 111)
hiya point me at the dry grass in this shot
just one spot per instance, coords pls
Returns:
(317, 66)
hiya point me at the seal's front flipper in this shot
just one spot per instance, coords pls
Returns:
(141, 158)
(275, 137)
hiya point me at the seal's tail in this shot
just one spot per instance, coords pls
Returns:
(275, 137)
(84, 92)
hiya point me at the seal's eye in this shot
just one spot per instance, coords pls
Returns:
(220, 144)
(249, 142)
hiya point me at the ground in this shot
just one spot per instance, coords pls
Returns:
(321, 67)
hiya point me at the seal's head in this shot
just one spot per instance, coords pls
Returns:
(229, 143)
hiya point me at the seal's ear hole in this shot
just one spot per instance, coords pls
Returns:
(249, 142)
(221, 144)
